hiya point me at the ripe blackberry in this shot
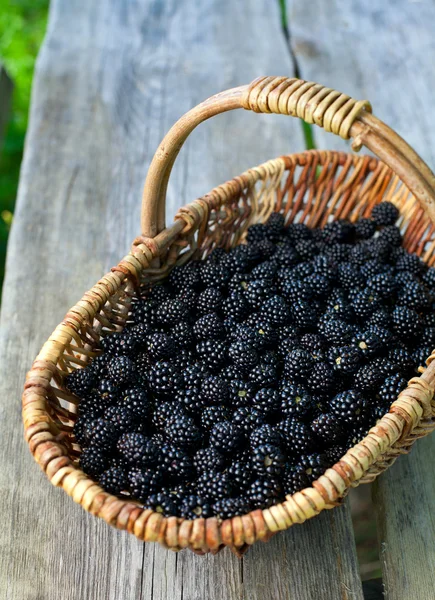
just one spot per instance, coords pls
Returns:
(194, 375)
(188, 296)
(338, 231)
(365, 229)
(427, 338)
(143, 482)
(214, 486)
(264, 492)
(266, 248)
(171, 312)
(212, 415)
(406, 322)
(391, 388)
(294, 479)
(391, 234)
(414, 295)
(212, 352)
(264, 333)
(81, 381)
(275, 224)
(119, 344)
(402, 360)
(335, 454)
(257, 232)
(258, 291)
(266, 434)
(268, 460)
(384, 213)
(226, 437)
(93, 405)
(314, 465)
(246, 419)
(103, 434)
(121, 416)
(383, 334)
(114, 480)
(384, 284)
(380, 317)
(191, 401)
(136, 401)
(266, 401)
(265, 270)
(307, 249)
(144, 312)
(163, 504)
(136, 449)
(208, 459)
(358, 255)
(356, 434)
(243, 355)
(195, 507)
(304, 314)
(182, 335)
(336, 331)
(184, 358)
(298, 364)
(420, 355)
(108, 390)
(209, 327)
(164, 412)
(349, 276)
(410, 262)
(241, 393)
(294, 290)
(339, 308)
(159, 293)
(285, 255)
(210, 300)
(337, 253)
(177, 465)
(275, 311)
(263, 375)
(379, 410)
(213, 274)
(235, 306)
(345, 359)
(322, 379)
(240, 472)
(139, 332)
(93, 461)
(214, 390)
(312, 342)
(160, 345)
(142, 364)
(297, 437)
(239, 283)
(319, 284)
(82, 429)
(368, 343)
(182, 432)
(365, 302)
(349, 406)
(296, 401)
(286, 346)
(327, 429)
(227, 508)
(383, 365)
(164, 379)
(429, 277)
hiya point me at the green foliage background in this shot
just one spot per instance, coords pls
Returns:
(22, 28)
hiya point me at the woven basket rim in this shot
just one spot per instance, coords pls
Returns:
(410, 413)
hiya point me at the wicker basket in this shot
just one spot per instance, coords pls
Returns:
(312, 187)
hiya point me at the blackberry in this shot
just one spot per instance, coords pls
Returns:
(265, 270)
(184, 358)
(294, 290)
(288, 345)
(243, 355)
(383, 334)
(303, 314)
(429, 277)
(266, 434)
(268, 460)
(209, 327)
(298, 364)
(212, 352)
(208, 459)
(210, 300)
(349, 276)
(139, 332)
(195, 507)
(299, 231)
(171, 311)
(321, 380)
(214, 486)
(357, 434)
(240, 472)
(159, 293)
(373, 267)
(214, 390)
(194, 375)
(391, 388)
(275, 311)
(103, 434)
(136, 449)
(114, 480)
(182, 432)
(257, 233)
(365, 229)
(82, 429)
(226, 437)
(81, 381)
(238, 284)
(119, 344)
(212, 415)
(275, 224)
(345, 359)
(368, 343)
(235, 306)
(336, 331)
(294, 479)
(296, 401)
(335, 454)
(358, 255)
(185, 276)
(99, 365)
(93, 405)
(338, 231)
(365, 302)
(108, 390)
(314, 465)
(263, 375)
(227, 508)
(264, 492)
(410, 262)
(163, 504)
(176, 464)
(121, 416)
(285, 255)
(265, 335)
(401, 359)
(379, 410)
(143, 312)
(339, 308)
(266, 401)
(182, 335)
(191, 401)
(164, 412)
(319, 284)
(266, 248)
(258, 291)
(246, 419)
(288, 331)
(383, 365)
(312, 342)
(241, 393)
(383, 284)
(337, 253)
(406, 322)
(143, 482)
(391, 234)
(420, 355)
(188, 297)
(142, 363)
(380, 317)
(213, 275)
(327, 429)
(427, 338)
(384, 213)
(160, 345)
(414, 295)
(349, 406)
(136, 401)
(93, 461)
(164, 379)
(297, 436)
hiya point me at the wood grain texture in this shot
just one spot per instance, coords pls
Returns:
(111, 78)
(384, 53)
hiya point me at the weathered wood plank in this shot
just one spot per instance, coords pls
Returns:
(384, 53)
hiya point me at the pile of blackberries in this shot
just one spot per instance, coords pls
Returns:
(244, 376)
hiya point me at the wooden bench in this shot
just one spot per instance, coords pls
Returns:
(111, 78)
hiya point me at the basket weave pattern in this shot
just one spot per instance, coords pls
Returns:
(311, 187)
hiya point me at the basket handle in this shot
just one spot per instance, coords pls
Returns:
(313, 103)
